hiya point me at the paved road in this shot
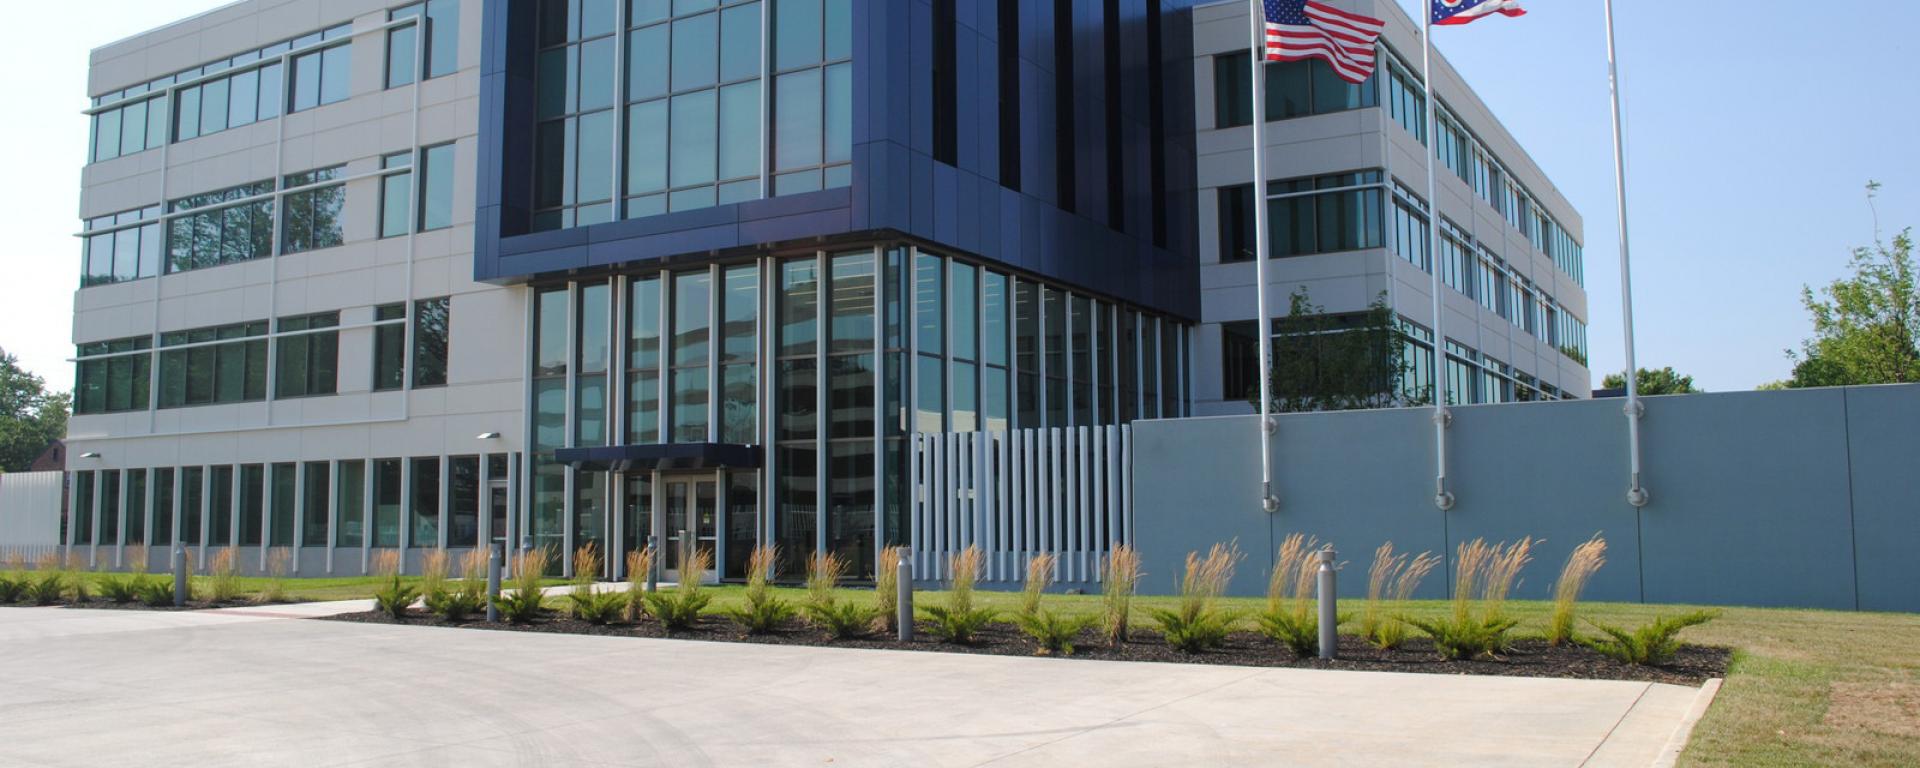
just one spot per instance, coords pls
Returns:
(256, 687)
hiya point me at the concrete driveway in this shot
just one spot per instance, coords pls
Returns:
(258, 687)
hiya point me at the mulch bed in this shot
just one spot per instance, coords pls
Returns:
(1528, 658)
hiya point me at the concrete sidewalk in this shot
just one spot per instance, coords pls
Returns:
(253, 686)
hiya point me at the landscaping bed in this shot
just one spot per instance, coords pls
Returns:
(1528, 657)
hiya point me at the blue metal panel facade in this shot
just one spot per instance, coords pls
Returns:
(898, 190)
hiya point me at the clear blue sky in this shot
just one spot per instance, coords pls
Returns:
(1752, 128)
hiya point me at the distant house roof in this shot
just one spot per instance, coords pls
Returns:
(54, 458)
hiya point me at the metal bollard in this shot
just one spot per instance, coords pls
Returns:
(903, 620)
(685, 542)
(495, 553)
(653, 566)
(180, 589)
(1329, 607)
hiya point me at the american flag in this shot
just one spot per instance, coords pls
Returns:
(1304, 29)
(1469, 11)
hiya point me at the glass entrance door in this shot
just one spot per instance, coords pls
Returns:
(691, 504)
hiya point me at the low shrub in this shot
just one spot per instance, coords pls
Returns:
(596, 608)
(824, 571)
(157, 593)
(1390, 583)
(48, 588)
(1053, 632)
(1653, 644)
(958, 621)
(1483, 576)
(762, 612)
(223, 578)
(522, 605)
(586, 566)
(843, 619)
(117, 589)
(12, 588)
(395, 597)
(1199, 624)
(1581, 565)
(1116, 594)
(679, 609)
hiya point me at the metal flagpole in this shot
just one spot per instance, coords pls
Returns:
(1441, 417)
(1636, 494)
(1257, 18)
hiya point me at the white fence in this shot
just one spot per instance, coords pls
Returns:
(30, 513)
(1065, 491)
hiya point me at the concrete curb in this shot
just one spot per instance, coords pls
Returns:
(1677, 743)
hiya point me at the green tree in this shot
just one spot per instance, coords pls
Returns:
(30, 417)
(1665, 381)
(1864, 325)
(1339, 362)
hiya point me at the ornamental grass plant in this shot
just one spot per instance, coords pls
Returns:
(679, 608)
(1290, 618)
(524, 602)
(762, 612)
(223, 577)
(1040, 570)
(395, 596)
(1484, 574)
(1581, 565)
(959, 620)
(275, 591)
(639, 572)
(1198, 623)
(886, 588)
(1122, 577)
(1391, 582)
(840, 618)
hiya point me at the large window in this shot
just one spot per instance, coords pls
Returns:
(436, 187)
(692, 332)
(431, 323)
(1322, 214)
(309, 358)
(574, 140)
(114, 381)
(396, 194)
(239, 99)
(386, 502)
(281, 504)
(593, 336)
(312, 218)
(125, 250)
(220, 364)
(812, 95)
(132, 127)
(349, 504)
(313, 504)
(423, 504)
(797, 414)
(1294, 89)
(323, 76)
(643, 361)
(441, 20)
(738, 386)
(850, 409)
(389, 347)
(220, 230)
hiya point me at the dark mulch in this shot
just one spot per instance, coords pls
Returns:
(1528, 658)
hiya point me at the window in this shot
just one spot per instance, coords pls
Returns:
(307, 361)
(1294, 89)
(423, 504)
(436, 187)
(396, 195)
(281, 505)
(162, 534)
(110, 498)
(386, 502)
(946, 101)
(349, 504)
(220, 507)
(689, 388)
(738, 385)
(192, 504)
(133, 127)
(389, 347)
(1304, 220)
(228, 226)
(1407, 100)
(441, 20)
(643, 361)
(1116, 186)
(1064, 140)
(1407, 234)
(126, 250)
(313, 213)
(220, 364)
(812, 95)
(1008, 50)
(313, 504)
(591, 409)
(322, 77)
(112, 380)
(136, 506)
(430, 342)
(797, 412)
(574, 101)
(463, 501)
(253, 487)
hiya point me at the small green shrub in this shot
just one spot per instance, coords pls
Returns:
(1054, 632)
(524, 604)
(1469, 638)
(1290, 618)
(118, 589)
(677, 610)
(395, 597)
(1198, 624)
(1299, 634)
(762, 612)
(12, 588)
(843, 619)
(455, 605)
(521, 607)
(1651, 645)
(958, 621)
(597, 608)
(1484, 573)
(1390, 583)
(223, 580)
(156, 593)
(48, 589)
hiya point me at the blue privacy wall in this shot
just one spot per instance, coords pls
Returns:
(1800, 498)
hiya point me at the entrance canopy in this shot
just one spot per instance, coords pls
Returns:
(665, 456)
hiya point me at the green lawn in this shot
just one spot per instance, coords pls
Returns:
(1806, 687)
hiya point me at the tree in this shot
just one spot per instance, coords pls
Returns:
(1665, 381)
(1338, 362)
(30, 417)
(1865, 325)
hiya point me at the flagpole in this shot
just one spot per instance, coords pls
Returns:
(1257, 50)
(1636, 493)
(1441, 498)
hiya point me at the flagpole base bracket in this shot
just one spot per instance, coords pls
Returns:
(1638, 497)
(1444, 501)
(1270, 503)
